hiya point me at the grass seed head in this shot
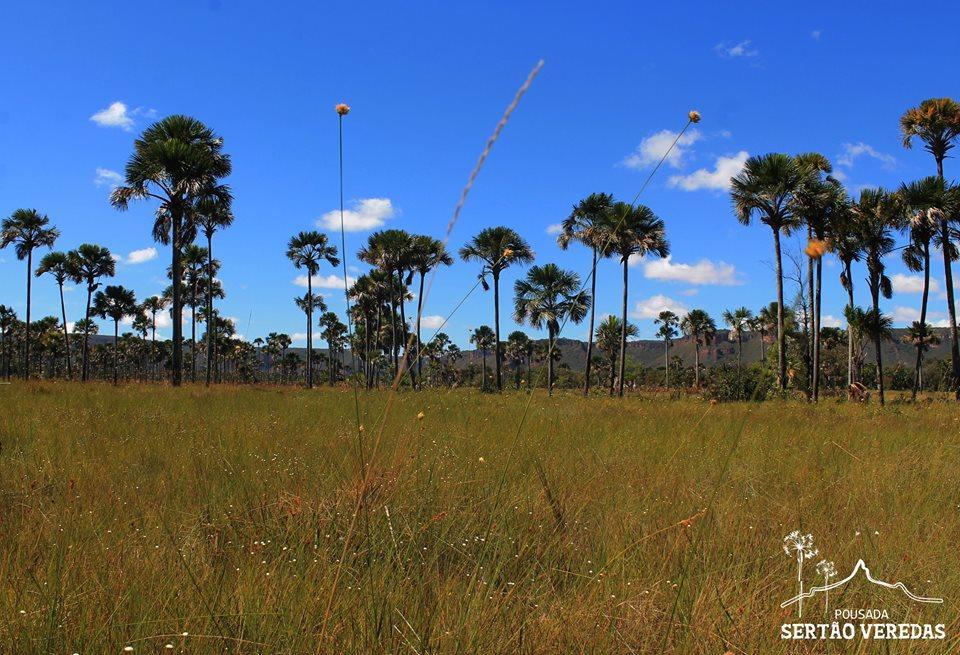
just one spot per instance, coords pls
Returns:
(343, 109)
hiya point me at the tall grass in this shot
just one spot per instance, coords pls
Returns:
(213, 521)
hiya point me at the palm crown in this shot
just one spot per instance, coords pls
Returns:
(936, 122)
(497, 248)
(26, 230)
(547, 296)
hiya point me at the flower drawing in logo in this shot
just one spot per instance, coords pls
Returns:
(827, 570)
(799, 547)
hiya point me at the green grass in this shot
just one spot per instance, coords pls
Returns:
(132, 516)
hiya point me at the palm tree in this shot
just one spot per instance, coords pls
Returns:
(179, 162)
(484, 339)
(765, 323)
(88, 264)
(389, 250)
(738, 321)
(608, 337)
(194, 258)
(924, 202)
(496, 248)
(936, 122)
(549, 295)
(920, 336)
(877, 214)
(153, 306)
(698, 325)
(335, 333)
(309, 304)
(589, 224)
(668, 322)
(519, 350)
(635, 231)
(27, 230)
(8, 319)
(57, 264)
(846, 244)
(765, 188)
(307, 250)
(426, 254)
(116, 303)
(212, 214)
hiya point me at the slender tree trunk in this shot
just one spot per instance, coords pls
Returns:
(529, 369)
(211, 324)
(393, 326)
(86, 333)
(403, 334)
(153, 348)
(613, 372)
(66, 334)
(419, 316)
(593, 305)
(496, 328)
(696, 363)
(309, 329)
(816, 330)
(483, 370)
(177, 301)
(193, 334)
(810, 320)
(666, 363)
(116, 358)
(550, 338)
(623, 330)
(923, 320)
(875, 293)
(26, 370)
(781, 335)
(848, 272)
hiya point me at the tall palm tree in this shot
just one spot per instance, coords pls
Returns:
(89, 263)
(153, 306)
(389, 250)
(194, 258)
(921, 337)
(550, 296)
(309, 304)
(211, 215)
(738, 320)
(307, 250)
(335, 334)
(668, 322)
(179, 162)
(877, 215)
(635, 231)
(608, 336)
(484, 339)
(26, 230)
(766, 323)
(57, 264)
(8, 318)
(699, 326)
(765, 188)
(426, 254)
(116, 303)
(924, 203)
(519, 349)
(936, 122)
(496, 248)
(589, 225)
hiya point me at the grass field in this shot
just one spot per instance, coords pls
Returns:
(215, 521)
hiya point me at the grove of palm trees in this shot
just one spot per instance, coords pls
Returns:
(306, 378)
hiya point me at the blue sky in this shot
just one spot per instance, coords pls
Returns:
(427, 83)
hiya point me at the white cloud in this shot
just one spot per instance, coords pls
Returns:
(432, 322)
(554, 228)
(324, 281)
(904, 283)
(853, 150)
(701, 272)
(829, 320)
(114, 116)
(815, 35)
(741, 49)
(107, 176)
(651, 149)
(115, 257)
(299, 337)
(142, 255)
(906, 315)
(652, 306)
(366, 214)
(717, 180)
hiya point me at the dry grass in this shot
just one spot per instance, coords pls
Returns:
(133, 516)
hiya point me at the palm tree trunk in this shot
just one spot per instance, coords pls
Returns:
(419, 316)
(193, 334)
(848, 272)
(26, 370)
(696, 362)
(483, 370)
(66, 334)
(176, 273)
(86, 334)
(666, 363)
(875, 293)
(613, 372)
(496, 329)
(393, 327)
(550, 362)
(309, 329)
(211, 324)
(153, 347)
(818, 298)
(810, 320)
(623, 330)
(781, 335)
(116, 359)
(923, 320)
(403, 334)
(593, 294)
(951, 307)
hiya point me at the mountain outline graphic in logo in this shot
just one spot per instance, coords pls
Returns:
(860, 566)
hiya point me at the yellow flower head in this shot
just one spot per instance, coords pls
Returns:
(817, 248)
(420, 416)
(481, 460)
(343, 109)
(360, 428)
(694, 116)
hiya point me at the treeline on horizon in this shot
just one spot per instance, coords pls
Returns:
(178, 165)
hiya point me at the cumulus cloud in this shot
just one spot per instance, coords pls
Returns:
(717, 179)
(366, 214)
(116, 115)
(554, 228)
(115, 257)
(651, 149)
(105, 176)
(652, 306)
(432, 322)
(851, 151)
(829, 320)
(905, 315)
(324, 281)
(904, 283)
(740, 49)
(142, 255)
(701, 272)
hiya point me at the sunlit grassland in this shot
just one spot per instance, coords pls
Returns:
(129, 517)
